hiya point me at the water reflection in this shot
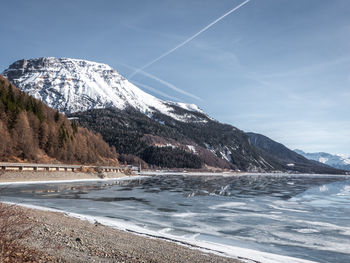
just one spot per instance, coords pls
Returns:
(283, 187)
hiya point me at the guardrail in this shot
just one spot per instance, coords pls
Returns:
(56, 167)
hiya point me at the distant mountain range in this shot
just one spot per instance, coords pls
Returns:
(143, 127)
(289, 158)
(338, 161)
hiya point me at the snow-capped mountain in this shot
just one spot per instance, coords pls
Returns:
(339, 161)
(72, 85)
(139, 124)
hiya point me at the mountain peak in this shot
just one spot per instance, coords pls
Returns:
(53, 61)
(339, 161)
(72, 85)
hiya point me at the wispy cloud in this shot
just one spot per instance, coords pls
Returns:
(165, 83)
(155, 91)
(169, 85)
(187, 40)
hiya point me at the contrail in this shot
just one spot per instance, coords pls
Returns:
(155, 91)
(169, 85)
(187, 40)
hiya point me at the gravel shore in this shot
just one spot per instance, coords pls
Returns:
(27, 176)
(55, 237)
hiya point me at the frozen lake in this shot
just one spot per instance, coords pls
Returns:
(305, 217)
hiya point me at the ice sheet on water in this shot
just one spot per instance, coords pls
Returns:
(206, 246)
(335, 192)
(265, 213)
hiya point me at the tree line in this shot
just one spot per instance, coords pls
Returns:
(169, 157)
(31, 131)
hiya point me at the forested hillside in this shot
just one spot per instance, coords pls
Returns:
(288, 157)
(165, 142)
(211, 143)
(135, 136)
(31, 131)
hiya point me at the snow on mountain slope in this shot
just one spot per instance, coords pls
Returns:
(339, 161)
(72, 85)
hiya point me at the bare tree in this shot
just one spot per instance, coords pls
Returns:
(5, 140)
(25, 143)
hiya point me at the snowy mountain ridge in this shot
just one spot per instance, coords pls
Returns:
(97, 97)
(339, 161)
(72, 85)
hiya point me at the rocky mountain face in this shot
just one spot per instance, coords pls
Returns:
(287, 158)
(216, 144)
(338, 161)
(72, 85)
(139, 125)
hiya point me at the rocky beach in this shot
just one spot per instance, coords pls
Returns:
(43, 236)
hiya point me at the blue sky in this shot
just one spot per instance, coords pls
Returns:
(276, 67)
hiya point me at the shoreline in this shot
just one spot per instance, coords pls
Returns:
(23, 177)
(173, 250)
(232, 253)
(232, 174)
(60, 237)
(26, 177)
